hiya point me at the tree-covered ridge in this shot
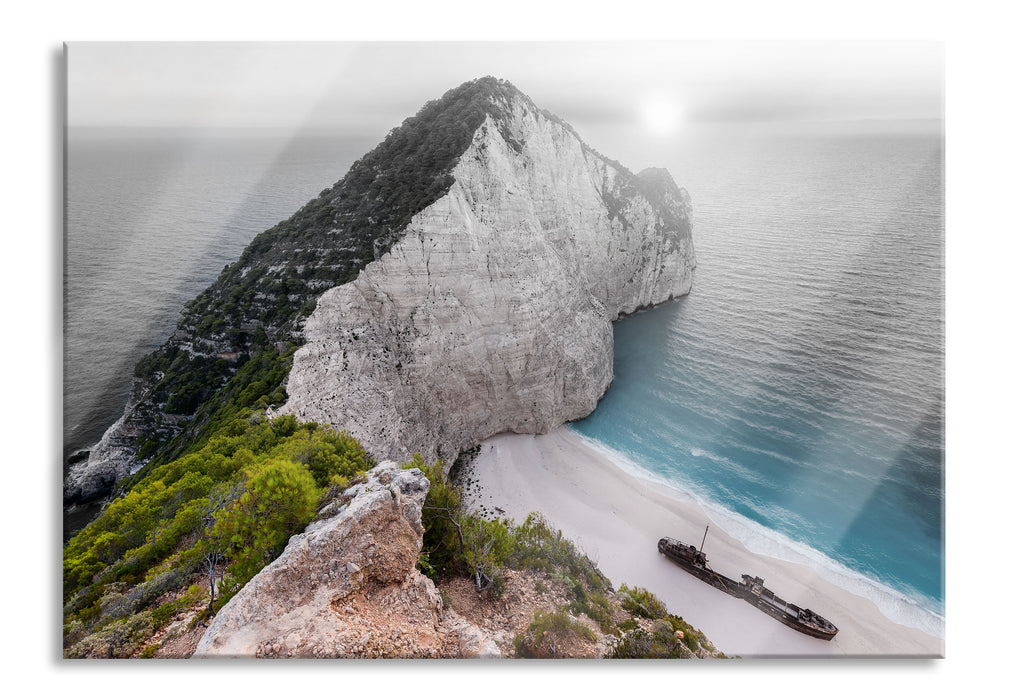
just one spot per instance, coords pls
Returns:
(260, 301)
(256, 382)
(212, 518)
(356, 220)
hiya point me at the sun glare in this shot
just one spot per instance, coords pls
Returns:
(661, 115)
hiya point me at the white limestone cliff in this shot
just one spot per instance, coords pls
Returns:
(494, 310)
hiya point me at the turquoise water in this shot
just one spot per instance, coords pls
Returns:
(798, 388)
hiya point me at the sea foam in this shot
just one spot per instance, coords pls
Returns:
(897, 606)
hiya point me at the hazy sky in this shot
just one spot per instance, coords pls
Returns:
(656, 85)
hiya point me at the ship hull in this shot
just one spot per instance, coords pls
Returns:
(684, 559)
(749, 589)
(788, 619)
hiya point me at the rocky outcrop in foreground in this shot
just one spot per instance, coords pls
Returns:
(359, 562)
(494, 310)
(348, 587)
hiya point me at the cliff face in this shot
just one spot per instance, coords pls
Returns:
(494, 310)
(108, 462)
(474, 262)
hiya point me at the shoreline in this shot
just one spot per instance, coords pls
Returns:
(617, 518)
(762, 541)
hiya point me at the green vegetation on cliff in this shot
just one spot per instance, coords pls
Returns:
(195, 530)
(258, 384)
(459, 543)
(540, 638)
(669, 634)
(217, 515)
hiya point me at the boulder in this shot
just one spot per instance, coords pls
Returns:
(347, 586)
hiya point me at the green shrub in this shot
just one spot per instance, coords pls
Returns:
(597, 607)
(628, 625)
(546, 632)
(460, 543)
(640, 602)
(164, 613)
(662, 641)
(330, 456)
(119, 639)
(640, 644)
(539, 546)
(279, 500)
(442, 520)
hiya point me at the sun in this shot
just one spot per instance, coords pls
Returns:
(661, 115)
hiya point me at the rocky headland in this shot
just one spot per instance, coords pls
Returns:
(494, 310)
(461, 281)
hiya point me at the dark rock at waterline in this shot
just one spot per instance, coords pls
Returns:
(78, 456)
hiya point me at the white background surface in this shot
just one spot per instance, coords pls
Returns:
(32, 194)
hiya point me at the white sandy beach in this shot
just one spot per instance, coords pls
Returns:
(617, 519)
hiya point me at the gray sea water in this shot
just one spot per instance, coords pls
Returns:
(151, 222)
(798, 389)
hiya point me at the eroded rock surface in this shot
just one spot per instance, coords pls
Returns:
(474, 260)
(494, 311)
(346, 587)
(108, 462)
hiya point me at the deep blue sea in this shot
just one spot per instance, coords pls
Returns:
(797, 390)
